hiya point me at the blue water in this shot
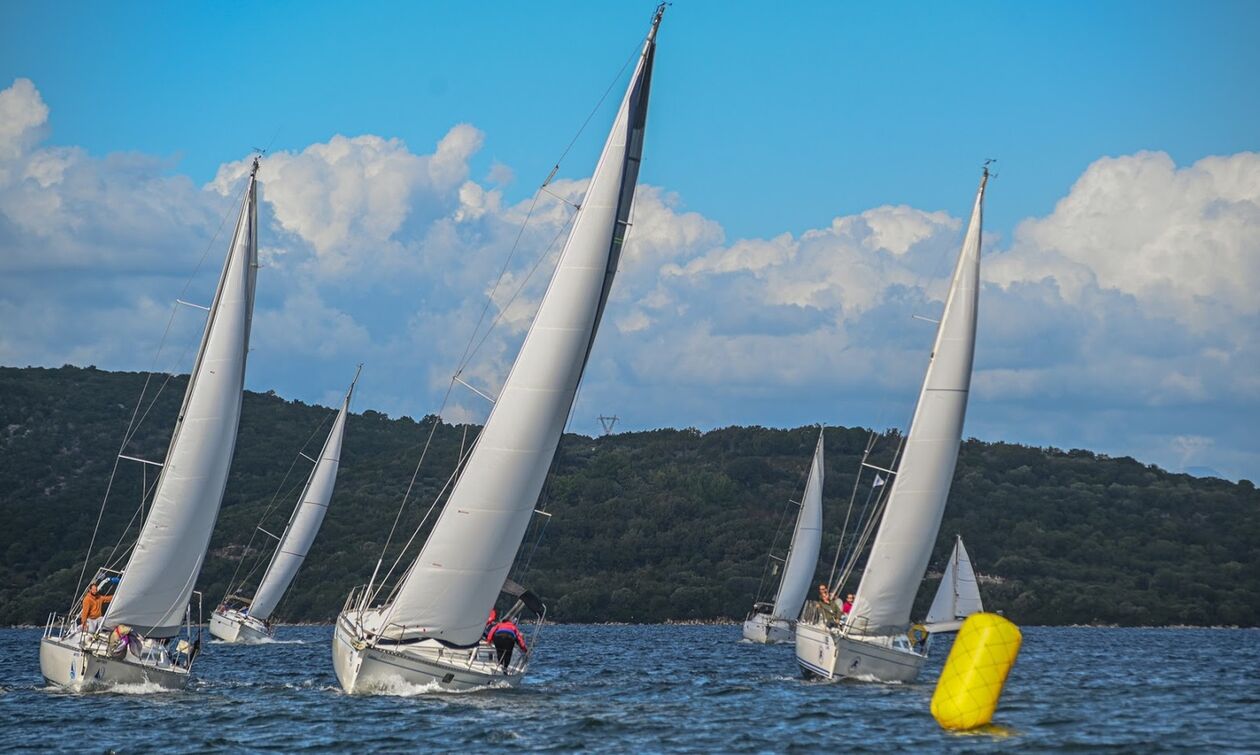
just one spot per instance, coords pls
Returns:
(663, 688)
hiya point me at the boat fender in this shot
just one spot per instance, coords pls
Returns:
(971, 682)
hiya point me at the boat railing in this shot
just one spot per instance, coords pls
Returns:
(352, 600)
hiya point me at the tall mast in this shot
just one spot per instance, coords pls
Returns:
(458, 574)
(916, 502)
(158, 580)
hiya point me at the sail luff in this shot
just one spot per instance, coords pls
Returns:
(457, 576)
(305, 522)
(916, 503)
(802, 557)
(158, 580)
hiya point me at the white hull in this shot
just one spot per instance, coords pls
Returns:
(767, 630)
(828, 654)
(233, 626)
(64, 663)
(363, 669)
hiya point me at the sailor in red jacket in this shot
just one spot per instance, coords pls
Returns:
(505, 636)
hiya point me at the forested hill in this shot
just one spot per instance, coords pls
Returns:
(648, 526)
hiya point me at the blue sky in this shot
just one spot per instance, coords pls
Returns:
(764, 122)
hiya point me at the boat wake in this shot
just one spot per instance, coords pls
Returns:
(400, 688)
(128, 688)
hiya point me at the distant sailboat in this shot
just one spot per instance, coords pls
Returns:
(876, 639)
(248, 620)
(958, 595)
(429, 629)
(151, 596)
(775, 622)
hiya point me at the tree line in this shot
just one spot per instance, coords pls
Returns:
(669, 524)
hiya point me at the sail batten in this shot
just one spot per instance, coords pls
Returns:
(455, 579)
(305, 522)
(157, 582)
(802, 557)
(916, 502)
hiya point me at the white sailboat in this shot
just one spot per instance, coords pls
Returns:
(134, 641)
(248, 620)
(772, 623)
(429, 629)
(876, 639)
(958, 596)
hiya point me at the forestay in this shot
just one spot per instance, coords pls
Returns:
(802, 558)
(158, 580)
(959, 594)
(455, 579)
(304, 525)
(916, 502)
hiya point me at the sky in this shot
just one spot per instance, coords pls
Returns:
(806, 177)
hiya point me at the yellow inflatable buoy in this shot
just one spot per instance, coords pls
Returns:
(971, 682)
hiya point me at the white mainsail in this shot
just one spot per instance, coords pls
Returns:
(802, 557)
(304, 525)
(457, 576)
(158, 580)
(916, 502)
(959, 594)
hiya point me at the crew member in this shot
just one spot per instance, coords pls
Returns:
(491, 620)
(93, 608)
(847, 605)
(505, 637)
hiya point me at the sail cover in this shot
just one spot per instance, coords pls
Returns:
(454, 581)
(304, 524)
(802, 558)
(916, 502)
(959, 594)
(158, 580)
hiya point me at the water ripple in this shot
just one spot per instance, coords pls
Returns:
(661, 688)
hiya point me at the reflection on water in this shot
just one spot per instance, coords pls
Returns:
(662, 688)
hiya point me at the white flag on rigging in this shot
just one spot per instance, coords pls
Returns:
(878, 481)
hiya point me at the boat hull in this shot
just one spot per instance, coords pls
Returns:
(232, 626)
(365, 669)
(767, 630)
(826, 653)
(64, 663)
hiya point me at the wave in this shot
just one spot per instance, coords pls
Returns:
(401, 688)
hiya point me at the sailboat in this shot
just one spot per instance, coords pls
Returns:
(248, 620)
(772, 623)
(875, 640)
(429, 628)
(958, 595)
(151, 596)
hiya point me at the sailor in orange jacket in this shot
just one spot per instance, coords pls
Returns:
(93, 608)
(505, 637)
